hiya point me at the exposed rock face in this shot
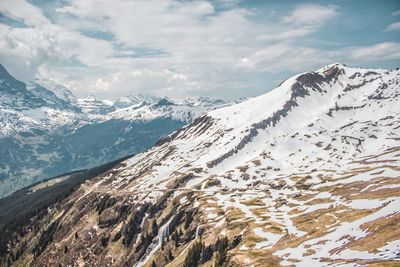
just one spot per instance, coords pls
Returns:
(306, 175)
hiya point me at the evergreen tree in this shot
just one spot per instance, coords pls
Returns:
(104, 241)
(175, 237)
(221, 247)
(188, 220)
(194, 254)
(154, 228)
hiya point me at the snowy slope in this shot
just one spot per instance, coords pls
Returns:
(14, 94)
(133, 100)
(305, 175)
(92, 105)
(26, 107)
(60, 91)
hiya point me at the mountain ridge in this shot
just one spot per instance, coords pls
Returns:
(306, 174)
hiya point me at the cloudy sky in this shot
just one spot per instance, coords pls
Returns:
(221, 48)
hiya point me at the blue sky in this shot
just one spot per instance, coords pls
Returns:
(221, 48)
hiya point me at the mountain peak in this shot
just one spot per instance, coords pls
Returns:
(164, 102)
(3, 69)
(336, 64)
(5, 74)
(132, 100)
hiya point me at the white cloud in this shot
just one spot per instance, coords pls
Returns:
(193, 39)
(227, 3)
(302, 21)
(276, 57)
(396, 13)
(393, 27)
(311, 14)
(28, 48)
(24, 11)
(377, 52)
(289, 34)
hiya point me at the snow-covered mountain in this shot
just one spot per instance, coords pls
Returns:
(60, 91)
(201, 101)
(132, 100)
(91, 104)
(45, 130)
(305, 175)
(186, 110)
(30, 106)
(13, 93)
(45, 104)
(51, 99)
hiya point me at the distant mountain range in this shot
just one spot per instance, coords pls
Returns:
(45, 130)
